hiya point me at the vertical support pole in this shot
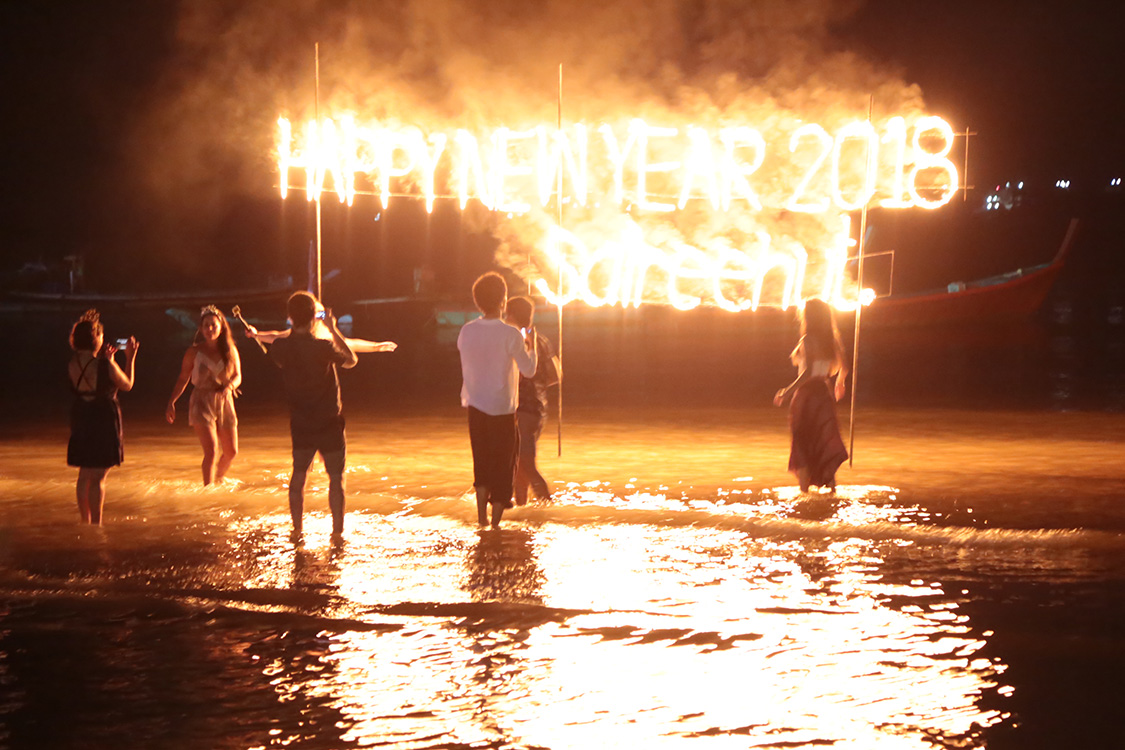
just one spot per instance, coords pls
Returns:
(965, 170)
(558, 210)
(859, 304)
(315, 283)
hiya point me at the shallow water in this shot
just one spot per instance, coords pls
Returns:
(965, 589)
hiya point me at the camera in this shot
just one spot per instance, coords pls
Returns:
(121, 343)
(320, 314)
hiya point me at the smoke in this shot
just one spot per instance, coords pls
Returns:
(208, 134)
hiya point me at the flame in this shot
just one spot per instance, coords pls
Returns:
(683, 216)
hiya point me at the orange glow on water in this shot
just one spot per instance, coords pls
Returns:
(668, 594)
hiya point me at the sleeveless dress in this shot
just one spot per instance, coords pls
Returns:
(96, 437)
(816, 442)
(212, 398)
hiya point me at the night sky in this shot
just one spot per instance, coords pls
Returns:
(1041, 83)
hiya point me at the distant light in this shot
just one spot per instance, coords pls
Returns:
(1021, 185)
(378, 215)
(1007, 184)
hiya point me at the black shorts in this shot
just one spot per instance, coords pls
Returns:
(325, 436)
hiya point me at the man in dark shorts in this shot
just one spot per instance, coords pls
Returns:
(308, 366)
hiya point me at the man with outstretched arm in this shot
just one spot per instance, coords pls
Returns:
(316, 422)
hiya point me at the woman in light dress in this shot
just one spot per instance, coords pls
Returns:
(212, 366)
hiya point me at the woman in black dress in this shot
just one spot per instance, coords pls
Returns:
(817, 449)
(96, 443)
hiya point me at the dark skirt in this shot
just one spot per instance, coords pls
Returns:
(96, 439)
(495, 443)
(817, 445)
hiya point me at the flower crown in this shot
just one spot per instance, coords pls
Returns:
(209, 310)
(90, 316)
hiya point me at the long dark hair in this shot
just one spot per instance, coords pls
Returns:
(822, 339)
(225, 342)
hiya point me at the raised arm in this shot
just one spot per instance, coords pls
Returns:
(264, 337)
(527, 355)
(181, 383)
(123, 377)
(341, 342)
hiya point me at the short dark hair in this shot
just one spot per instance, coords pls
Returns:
(520, 310)
(301, 308)
(489, 292)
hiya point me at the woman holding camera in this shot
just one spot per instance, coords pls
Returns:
(212, 366)
(96, 439)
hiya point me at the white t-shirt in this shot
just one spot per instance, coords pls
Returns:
(493, 355)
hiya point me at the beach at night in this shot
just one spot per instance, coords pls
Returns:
(398, 239)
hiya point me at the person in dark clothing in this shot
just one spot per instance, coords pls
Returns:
(817, 450)
(316, 421)
(96, 436)
(532, 410)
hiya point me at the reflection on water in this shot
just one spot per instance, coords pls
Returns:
(678, 591)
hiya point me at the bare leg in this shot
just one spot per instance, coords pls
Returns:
(482, 504)
(297, 498)
(97, 497)
(82, 490)
(93, 481)
(334, 465)
(497, 513)
(302, 459)
(527, 469)
(207, 439)
(228, 440)
(522, 482)
(803, 478)
(538, 483)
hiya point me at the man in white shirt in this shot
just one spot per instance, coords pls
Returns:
(493, 354)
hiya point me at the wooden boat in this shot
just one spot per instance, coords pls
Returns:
(1016, 294)
(79, 301)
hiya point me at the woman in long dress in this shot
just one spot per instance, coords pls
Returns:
(212, 366)
(817, 450)
(96, 436)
